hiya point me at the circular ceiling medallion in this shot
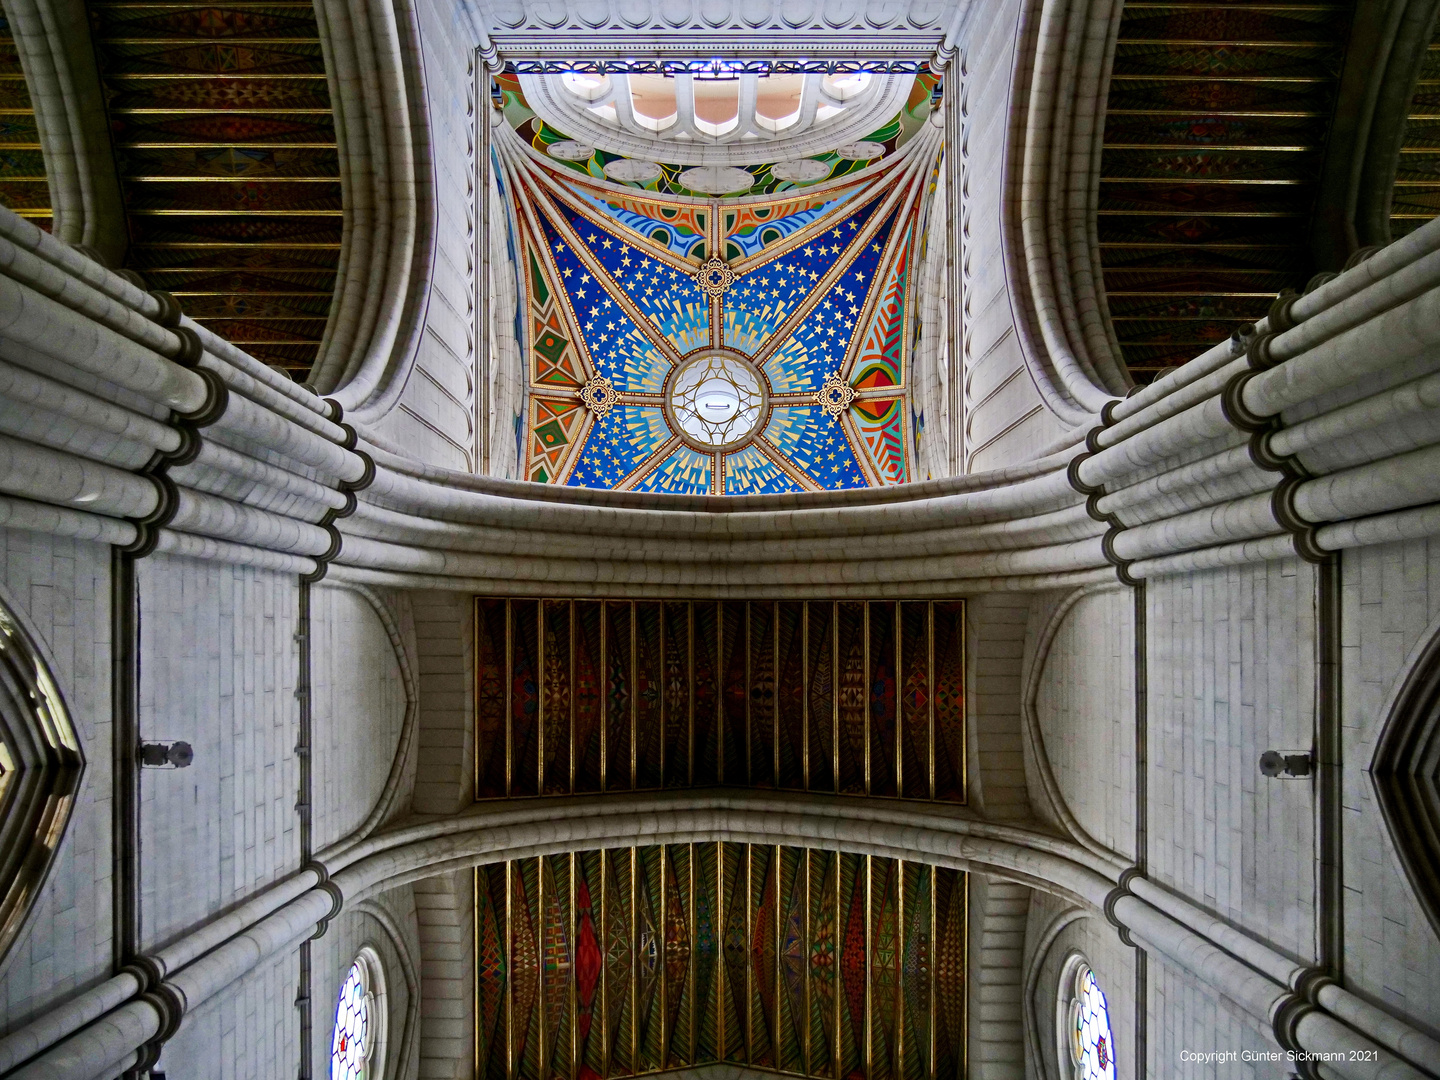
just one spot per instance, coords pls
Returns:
(800, 172)
(716, 400)
(717, 179)
(630, 171)
(860, 151)
(570, 150)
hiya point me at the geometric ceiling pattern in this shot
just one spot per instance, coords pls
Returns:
(22, 167)
(801, 961)
(1416, 198)
(225, 144)
(1215, 130)
(849, 698)
(808, 294)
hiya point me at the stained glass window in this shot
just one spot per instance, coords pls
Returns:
(351, 1045)
(1092, 1047)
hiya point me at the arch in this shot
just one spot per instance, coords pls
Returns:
(748, 142)
(1038, 1064)
(940, 836)
(1405, 773)
(405, 1046)
(40, 767)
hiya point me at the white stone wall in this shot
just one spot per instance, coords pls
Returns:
(1005, 421)
(444, 632)
(995, 641)
(445, 909)
(1232, 674)
(218, 664)
(997, 940)
(1187, 1017)
(435, 420)
(1085, 710)
(60, 588)
(359, 709)
(1390, 606)
(251, 1031)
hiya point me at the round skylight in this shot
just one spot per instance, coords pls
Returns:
(716, 401)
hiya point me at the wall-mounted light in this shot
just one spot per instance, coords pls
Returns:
(1285, 764)
(172, 755)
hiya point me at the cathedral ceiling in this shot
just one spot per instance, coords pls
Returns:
(1416, 197)
(22, 166)
(1214, 135)
(640, 960)
(719, 346)
(225, 145)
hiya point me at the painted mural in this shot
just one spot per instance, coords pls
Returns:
(809, 293)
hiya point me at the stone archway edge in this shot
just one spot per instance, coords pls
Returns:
(95, 1034)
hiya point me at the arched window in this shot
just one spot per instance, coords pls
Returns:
(357, 1047)
(1083, 1022)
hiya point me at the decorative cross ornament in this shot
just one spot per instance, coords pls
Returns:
(598, 395)
(715, 276)
(835, 395)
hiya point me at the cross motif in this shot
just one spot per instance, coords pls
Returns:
(835, 395)
(598, 395)
(715, 276)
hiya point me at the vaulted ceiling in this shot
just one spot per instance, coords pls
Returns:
(803, 303)
(1216, 128)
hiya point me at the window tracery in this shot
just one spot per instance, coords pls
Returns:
(350, 1045)
(357, 1046)
(1088, 1043)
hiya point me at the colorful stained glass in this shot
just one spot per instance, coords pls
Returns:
(1092, 1046)
(350, 1047)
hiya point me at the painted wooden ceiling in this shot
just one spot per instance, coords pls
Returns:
(225, 146)
(1216, 127)
(22, 167)
(1416, 198)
